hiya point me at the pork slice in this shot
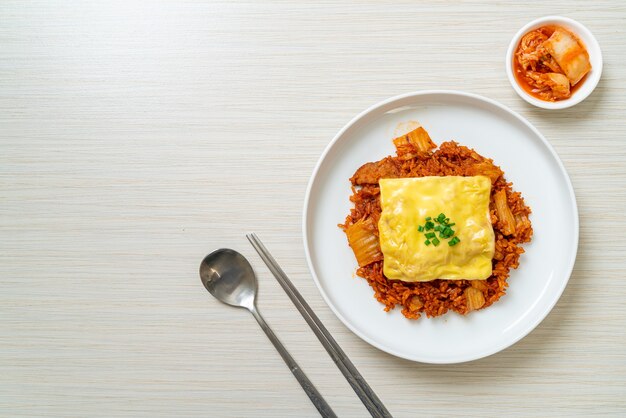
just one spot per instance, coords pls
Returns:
(370, 173)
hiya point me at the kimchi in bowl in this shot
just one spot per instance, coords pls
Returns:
(588, 42)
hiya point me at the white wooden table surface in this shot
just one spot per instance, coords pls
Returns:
(135, 137)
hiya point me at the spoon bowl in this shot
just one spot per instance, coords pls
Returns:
(229, 277)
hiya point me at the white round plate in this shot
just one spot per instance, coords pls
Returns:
(527, 159)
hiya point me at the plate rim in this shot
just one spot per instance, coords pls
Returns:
(454, 93)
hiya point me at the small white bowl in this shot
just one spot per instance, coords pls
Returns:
(590, 43)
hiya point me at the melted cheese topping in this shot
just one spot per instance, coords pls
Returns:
(406, 203)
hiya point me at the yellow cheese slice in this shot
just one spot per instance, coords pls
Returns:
(406, 203)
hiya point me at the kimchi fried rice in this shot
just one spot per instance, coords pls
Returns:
(417, 156)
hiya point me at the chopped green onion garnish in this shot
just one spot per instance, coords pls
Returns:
(447, 232)
(443, 228)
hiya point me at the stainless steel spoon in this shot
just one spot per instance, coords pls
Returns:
(229, 277)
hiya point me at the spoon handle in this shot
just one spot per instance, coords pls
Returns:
(317, 399)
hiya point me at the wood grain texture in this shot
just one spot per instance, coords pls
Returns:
(138, 136)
